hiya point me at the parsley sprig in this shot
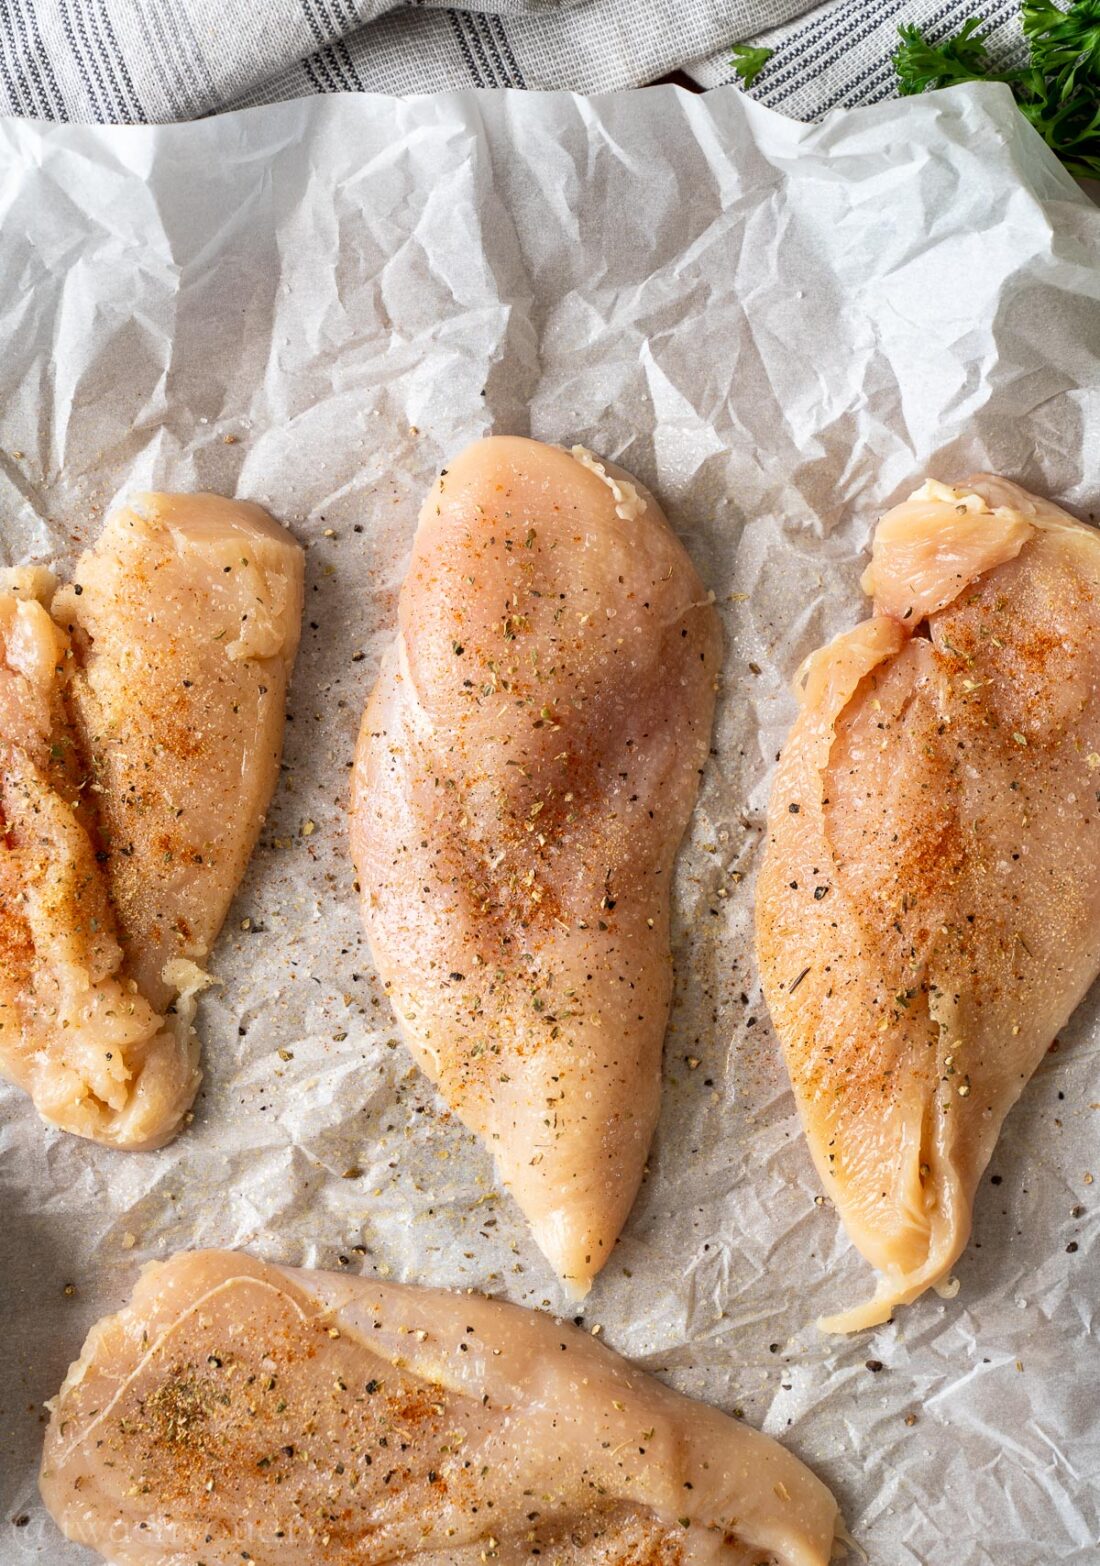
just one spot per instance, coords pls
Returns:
(1058, 90)
(748, 60)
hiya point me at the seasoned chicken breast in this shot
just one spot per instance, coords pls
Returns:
(525, 771)
(928, 912)
(141, 713)
(75, 1032)
(238, 1411)
(184, 621)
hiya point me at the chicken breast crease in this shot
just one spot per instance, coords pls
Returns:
(526, 768)
(928, 911)
(141, 718)
(239, 1411)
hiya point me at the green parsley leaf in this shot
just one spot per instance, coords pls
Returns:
(748, 61)
(921, 65)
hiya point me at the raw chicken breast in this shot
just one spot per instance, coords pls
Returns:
(928, 912)
(236, 1411)
(184, 620)
(526, 768)
(141, 715)
(75, 1032)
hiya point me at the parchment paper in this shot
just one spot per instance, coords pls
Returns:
(780, 329)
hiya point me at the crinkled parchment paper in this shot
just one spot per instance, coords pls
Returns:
(781, 330)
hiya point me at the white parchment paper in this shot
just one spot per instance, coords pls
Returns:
(780, 329)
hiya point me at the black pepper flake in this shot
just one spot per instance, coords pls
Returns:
(798, 981)
(794, 809)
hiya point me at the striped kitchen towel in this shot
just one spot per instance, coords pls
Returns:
(158, 60)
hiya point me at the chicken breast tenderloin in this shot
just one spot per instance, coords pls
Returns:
(141, 716)
(526, 768)
(236, 1411)
(928, 911)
